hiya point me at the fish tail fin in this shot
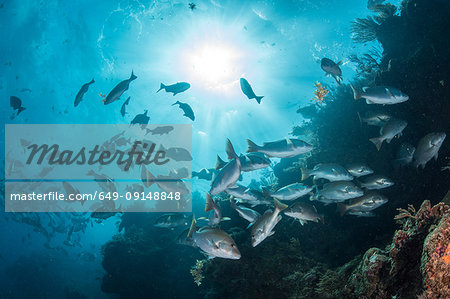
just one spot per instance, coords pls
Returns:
(378, 141)
(209, 204)
(20, 110)
(147, 178)
(220, 163)
(132, 77)
(305, 173)
(356, 93)
(230, 150)
(258, 99)
(193, 227)
(342, 208)
(315, 196)
(338, 79)
(92, 81)
(279, 205)
(321, 219)
(359, 117)
(162, 86)
(252, 147)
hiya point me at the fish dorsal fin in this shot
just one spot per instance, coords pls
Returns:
(209, 204)
(389, 93)
(220, 163)
(340, 62)
(289, 141)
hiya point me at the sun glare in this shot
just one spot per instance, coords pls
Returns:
(214, 66)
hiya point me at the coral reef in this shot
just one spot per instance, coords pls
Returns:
(320, 93)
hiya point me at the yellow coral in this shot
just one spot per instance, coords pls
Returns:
(320, 93)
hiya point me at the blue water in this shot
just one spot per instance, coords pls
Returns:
(51, 48)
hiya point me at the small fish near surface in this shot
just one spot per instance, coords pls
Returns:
(141, 119)
(117, 91)
(175, 88)
(329, 171)
(358, 169)
(123, 108)
(213, 241)
(332, 68)
(248, 91)
(160, 130)
(16, 104)
(292, 191)
(428, 148)
(382, 95)
(337, 192)
(188, 112)
(376, 181)
(404, 155)
(365, 203)
(393, 128)
(263, 227)
(375, 118)
(285, 148)
(304, 212)
(81, 92)
(229, 174)
(172, 221)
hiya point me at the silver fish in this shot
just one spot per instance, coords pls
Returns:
(303, 212)
(358, 169)
(246, 213)
(172, 220)
(286, 148)
(175, 88)
(265, 224)
(292, 191)
(365, 203)
(330, 171)
(376, 181)
(404, 155)
(361, 214)
(243, 192)
(229, 174)
(213, 241)
(215, 216)
(375, 118)
(248, 91)
(393, 128)
(383, 95)
(117, 91)
(337, 192)
(249, 162)
(427, 148)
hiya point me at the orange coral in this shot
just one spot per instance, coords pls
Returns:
(320, 93)
(446, 257)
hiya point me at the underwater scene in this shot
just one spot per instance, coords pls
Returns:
(225, 149)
